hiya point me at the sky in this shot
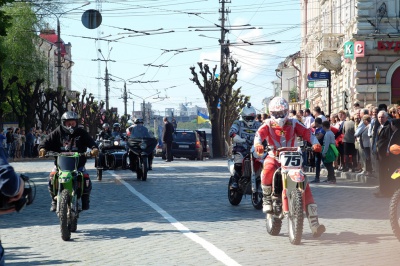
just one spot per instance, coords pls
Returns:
(135, 34)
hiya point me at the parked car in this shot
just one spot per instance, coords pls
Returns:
(191, 144)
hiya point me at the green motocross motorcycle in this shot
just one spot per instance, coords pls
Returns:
(68, 185)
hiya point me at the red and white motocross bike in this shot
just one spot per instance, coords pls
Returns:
(288, 200)
(249, 182)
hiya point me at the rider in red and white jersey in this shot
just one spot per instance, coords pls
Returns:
(281, 131)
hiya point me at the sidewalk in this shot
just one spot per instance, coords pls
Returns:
(358, 177)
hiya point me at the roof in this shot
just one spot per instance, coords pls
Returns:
(52, 37)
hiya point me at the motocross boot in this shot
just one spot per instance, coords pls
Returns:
(87, 188)
(312, 215)
(267, 199)
(53, 207)
(236, 178)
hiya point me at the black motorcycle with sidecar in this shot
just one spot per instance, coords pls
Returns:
(113, 155)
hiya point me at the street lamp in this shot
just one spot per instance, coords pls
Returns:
(59, 40)
(144, 109)
(280, 77)
(125, 96)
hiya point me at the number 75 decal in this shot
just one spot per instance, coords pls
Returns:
(291, 160)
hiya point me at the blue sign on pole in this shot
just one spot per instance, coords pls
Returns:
(319, 75)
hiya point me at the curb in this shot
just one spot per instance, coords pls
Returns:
(357, 177)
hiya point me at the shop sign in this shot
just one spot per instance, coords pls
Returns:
(354, 49)
(386, 45)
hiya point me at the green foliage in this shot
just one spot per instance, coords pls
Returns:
(21, 45)
(4, 18)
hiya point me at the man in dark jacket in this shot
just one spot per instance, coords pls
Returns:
(30, 139)
(384, 133)
(9, 140)
(168, 130)
(69, 137)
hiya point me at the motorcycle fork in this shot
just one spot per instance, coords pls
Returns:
(285, 201)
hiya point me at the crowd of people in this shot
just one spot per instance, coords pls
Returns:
(362, 137)
(19, 143)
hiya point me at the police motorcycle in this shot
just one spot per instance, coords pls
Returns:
(249, 182)
(140, 149)
(113, 154)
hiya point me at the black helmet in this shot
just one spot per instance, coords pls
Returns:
(116, 125)
(106, 125)
(69, 116)
(139, 121)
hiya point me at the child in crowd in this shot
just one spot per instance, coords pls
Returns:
(329, 138)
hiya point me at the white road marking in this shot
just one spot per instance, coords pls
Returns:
(213, 250)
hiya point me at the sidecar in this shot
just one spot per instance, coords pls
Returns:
(112, 156)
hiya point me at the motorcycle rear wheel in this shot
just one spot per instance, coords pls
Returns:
(63, 215)
(234, 195)
(394, 213)
(273, 224)
(296, 217)
(257, 197)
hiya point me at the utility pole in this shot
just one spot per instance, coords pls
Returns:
(106, 78)
(223, 31)
(125, 97)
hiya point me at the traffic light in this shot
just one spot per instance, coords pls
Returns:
(345, 100)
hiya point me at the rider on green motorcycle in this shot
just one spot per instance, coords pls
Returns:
(69, 137)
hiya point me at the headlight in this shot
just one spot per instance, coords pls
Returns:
(116, 143)
(143, 145)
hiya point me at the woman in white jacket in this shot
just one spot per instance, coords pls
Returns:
(365, 143)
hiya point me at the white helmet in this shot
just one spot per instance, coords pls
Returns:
(279, 110)
(248, 114)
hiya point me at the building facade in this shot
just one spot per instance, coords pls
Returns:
(50, 51)
(358, 43)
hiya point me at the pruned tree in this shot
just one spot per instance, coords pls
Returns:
(24, 103)
(217, 93)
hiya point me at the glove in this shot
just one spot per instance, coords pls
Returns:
(94, 152)
(317, 147)
(259, 149)
(238, 139)
(395, 149)
(42, 152)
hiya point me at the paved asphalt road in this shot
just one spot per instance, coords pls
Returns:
(181, 216)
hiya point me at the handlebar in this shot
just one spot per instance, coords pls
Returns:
(70, 153)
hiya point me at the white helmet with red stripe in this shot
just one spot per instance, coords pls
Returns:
(279, 110)
(248, 114)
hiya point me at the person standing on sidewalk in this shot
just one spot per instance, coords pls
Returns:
(365, 143)
(329, 138)
(319, 134)
(30, 139)
(168, 130)
(383, 134)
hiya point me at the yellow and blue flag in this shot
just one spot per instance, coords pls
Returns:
(202, 118)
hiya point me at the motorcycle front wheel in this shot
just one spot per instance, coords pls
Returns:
(257, 197)
(64, 215)
(394, 213)
(99, 174)
(296, 216)
(145, 168)
(234, 195)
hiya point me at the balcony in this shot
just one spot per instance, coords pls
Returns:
(328, 46)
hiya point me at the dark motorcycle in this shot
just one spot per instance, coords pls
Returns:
(250, 180)
(113, 155)
(140, 149)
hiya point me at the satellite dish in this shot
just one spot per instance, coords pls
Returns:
(91, 19)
